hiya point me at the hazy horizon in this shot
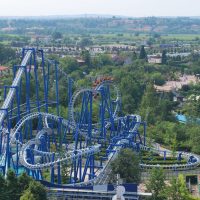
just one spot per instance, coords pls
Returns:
(126, 8)
(91, 15)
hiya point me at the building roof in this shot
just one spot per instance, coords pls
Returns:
(2, 68)
(80, 61)
(176, 85)
(154, 56)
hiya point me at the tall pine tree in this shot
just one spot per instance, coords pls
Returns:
(143, 54)
(164, 57)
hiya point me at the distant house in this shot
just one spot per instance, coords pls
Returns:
(155, 59)
(170, 86)
(4, 71)
(80, 61)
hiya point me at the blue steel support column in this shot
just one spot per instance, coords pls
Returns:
(59, 174)
(19, 97)
(85, 168)
(59, 133)
(165, 153)
(27, 99)
(90, 117)
(47, 85)
(57, 91)
(79, 168)
(91, 166)
(109, 107)
(27, 70)
(102, 114)
(17, 158)
(28, 154)
(109, 99)
(138, 147)
(74, 165)
(27, 90)
(23, 53)
(75, 170)
(83, 118)
(5, 92)
(18, 103)
(36, 80)
(52, 169)
(14, 71)
(44, 81)
(69, 93)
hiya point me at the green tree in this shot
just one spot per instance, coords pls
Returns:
(85, 42)
(35, 191)
(127, 165)
(156, 184)
(68, 64)
(178, 190)
(3, 188)
(149, 104)
(56, 35)
(143, 54)
(164, 57)
(86, 56)
(105, 59)
(6, 54)
(23, 182)
(12, 185)
(27, 196)
(158, 78)
(194, 135)
(134, 56)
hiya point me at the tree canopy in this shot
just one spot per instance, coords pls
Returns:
(127, 166)
(21, 188)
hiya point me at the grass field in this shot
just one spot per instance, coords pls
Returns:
(183, 37)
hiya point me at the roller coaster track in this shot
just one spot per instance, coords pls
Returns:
(102, 175)
(187, 166)
(71, 155)
(4, 136)
(94, 91)
(32, 116)
(15, 83)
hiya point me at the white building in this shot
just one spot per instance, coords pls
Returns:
(155, 59)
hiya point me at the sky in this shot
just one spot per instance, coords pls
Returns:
(134, 8)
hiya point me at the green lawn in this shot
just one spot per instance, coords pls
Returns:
(184, 37)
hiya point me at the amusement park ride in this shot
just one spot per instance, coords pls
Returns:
(35, 138)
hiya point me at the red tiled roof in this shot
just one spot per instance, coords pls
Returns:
(2, 68)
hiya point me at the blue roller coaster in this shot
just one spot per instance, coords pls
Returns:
(76, 149)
